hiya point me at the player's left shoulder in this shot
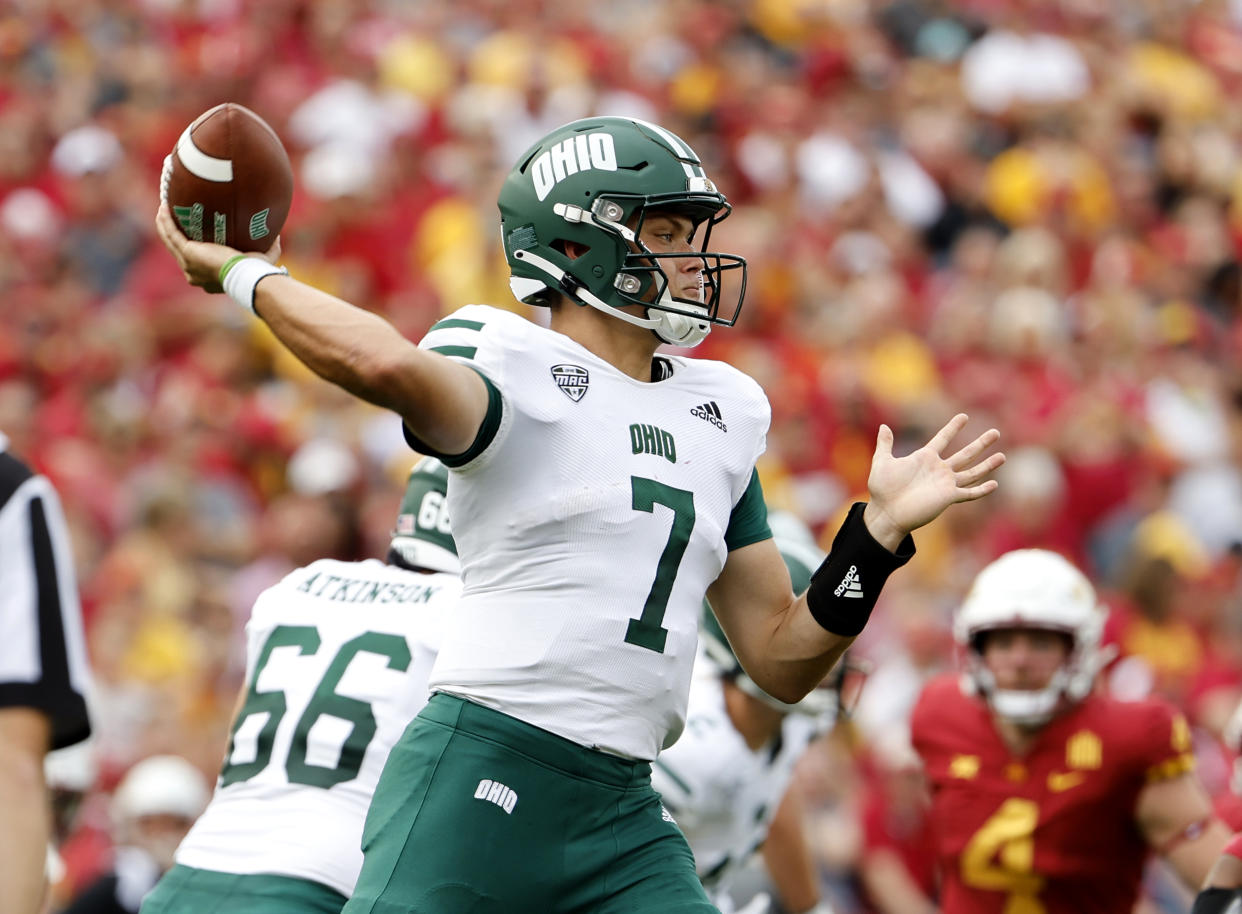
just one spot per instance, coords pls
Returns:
(1147, 731)
(719, 393)
(729, 379)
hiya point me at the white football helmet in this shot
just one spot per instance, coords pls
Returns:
(1032, 588)
(160, 785)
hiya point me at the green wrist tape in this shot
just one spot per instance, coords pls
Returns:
(229, 264)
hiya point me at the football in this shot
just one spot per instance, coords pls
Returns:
(230, 179)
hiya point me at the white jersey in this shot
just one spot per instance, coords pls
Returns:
(722, 793)
(589, 528)
(337, 660)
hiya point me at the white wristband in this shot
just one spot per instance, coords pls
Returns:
(242, 275)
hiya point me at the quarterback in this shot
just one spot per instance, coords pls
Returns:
(1046, 797)
(337, 660)
(601, 491)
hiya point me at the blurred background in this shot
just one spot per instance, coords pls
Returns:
(1029, 210)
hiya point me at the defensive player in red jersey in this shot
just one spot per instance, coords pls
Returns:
(1047, 797)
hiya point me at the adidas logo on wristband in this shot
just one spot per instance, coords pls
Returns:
(850, 586)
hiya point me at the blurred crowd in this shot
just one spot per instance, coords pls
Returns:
(1028, 210)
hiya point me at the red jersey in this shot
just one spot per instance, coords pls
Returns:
(1051, 832)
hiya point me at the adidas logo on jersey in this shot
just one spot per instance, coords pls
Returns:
(710, 412)
(850, 586)
(496, 792)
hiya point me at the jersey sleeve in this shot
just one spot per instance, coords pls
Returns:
(748, 522)
(464, 337)
(43, 664)
(1163, 742)
(937, 715)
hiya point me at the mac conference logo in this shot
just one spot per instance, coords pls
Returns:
(573, 380)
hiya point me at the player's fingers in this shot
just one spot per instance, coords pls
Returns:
(166, 229)
(973, 492)
(966, 455)
(941, 439)
(969, 477)
(272, 254)
(884, 442)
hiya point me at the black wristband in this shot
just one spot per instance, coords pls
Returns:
(1215, 901)
(846, 585)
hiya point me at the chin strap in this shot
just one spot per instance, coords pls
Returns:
(675, 329)
(1022, 707)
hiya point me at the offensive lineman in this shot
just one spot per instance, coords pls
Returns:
(1047, 798)
(337, 659)
(728, 778)
(600, 492)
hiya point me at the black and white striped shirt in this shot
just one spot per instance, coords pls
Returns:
(42, 646)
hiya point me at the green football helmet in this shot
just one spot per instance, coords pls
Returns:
(802, 556)
(423, 540)
(594, 182)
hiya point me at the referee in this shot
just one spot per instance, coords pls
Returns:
(43, 672)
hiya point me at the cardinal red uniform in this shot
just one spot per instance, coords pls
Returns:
(1052, 832)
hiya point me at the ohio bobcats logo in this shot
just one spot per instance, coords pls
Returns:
(568, 157)
(258, 224)
(498, 793)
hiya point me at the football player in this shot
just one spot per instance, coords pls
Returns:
(726, 778)
(600, 490)
(152, 809)
(1046, 796)
(337, 660)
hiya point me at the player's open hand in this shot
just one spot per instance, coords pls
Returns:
(908, 492)
(200, 261)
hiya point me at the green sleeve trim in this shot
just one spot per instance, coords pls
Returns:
(465, 352)
(749, 521)
(450, 322)
(487, 430)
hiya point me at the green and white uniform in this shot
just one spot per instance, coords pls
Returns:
(590, 518)
(338, 655)
(722, 793)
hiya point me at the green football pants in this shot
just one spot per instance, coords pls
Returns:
(186, 890)
(479, 813)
